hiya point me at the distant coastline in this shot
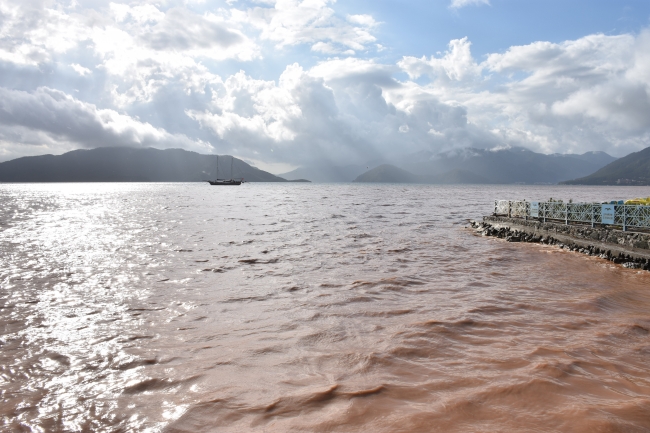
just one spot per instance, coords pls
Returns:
(505, 166)
(125, 164)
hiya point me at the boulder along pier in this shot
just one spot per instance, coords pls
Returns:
(613, 231)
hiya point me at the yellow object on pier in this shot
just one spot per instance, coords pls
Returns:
(639, 201)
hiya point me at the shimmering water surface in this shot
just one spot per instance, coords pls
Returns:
(308, 308)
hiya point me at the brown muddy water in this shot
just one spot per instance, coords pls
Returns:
(308, 308)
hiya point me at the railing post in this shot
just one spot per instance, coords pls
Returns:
(509, 209)
(495, 206)
(592, 214)
(544, 211)
(624, 219)
(526, 211)
(566, 214)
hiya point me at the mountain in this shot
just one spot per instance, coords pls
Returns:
(509, 165)
(469, 165)
(595, 157)
(326, 172)
(124, 164)
(387, 173)
(458, 176)
(485, 166)
(633, 169)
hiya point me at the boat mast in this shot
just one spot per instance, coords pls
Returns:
(232, 158)
(217, 167)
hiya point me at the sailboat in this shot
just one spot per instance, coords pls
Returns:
(231, 181)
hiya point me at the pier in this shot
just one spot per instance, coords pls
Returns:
(613, 231)
(619, 213)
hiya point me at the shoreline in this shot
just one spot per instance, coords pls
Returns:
(631, 250)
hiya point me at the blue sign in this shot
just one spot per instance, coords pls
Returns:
(534, 209)
(608, 213)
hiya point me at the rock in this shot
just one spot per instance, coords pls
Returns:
(603, 234)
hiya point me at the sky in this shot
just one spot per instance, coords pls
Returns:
(289, 83)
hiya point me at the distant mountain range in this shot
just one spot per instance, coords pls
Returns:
(124, 164)
(390, 174)
(463, 166)
(509, 165)
(485, 166)
(633, 169)
(328, 172)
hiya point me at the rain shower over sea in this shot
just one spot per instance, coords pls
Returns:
(308, 308)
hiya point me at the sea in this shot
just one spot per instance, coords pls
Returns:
(294, 307)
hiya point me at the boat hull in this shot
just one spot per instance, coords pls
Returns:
(224, 182)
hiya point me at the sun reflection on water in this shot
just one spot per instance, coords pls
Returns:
(70, 261)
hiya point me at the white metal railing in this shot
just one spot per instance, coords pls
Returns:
(626, 216)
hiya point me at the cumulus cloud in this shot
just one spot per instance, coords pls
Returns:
(591, 93)
(338, 110)
(30, 35)
(292, 22)
(80, 69)
(352, 69)
(172, 65)
(363, 19)
(257, 107)
(573, 95)
(51, 117)
(326, 47)
(141, 14)
(457, 4)
(183, 30)
(140, 47)
(457, 64)
(156, 49)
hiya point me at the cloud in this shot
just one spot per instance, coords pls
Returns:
(457, 4)
(363, 20)
(255, 107)
(164, 75)
(337, 110)
(30, 35)
(292, 22)
(325, 47)
(182, 30)
(578, 95)
(353, 69)
(141, 48)
(53, 118)
(596, 52)
(80, 69)
(141, 14)
(591, 93)
(456, 65)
